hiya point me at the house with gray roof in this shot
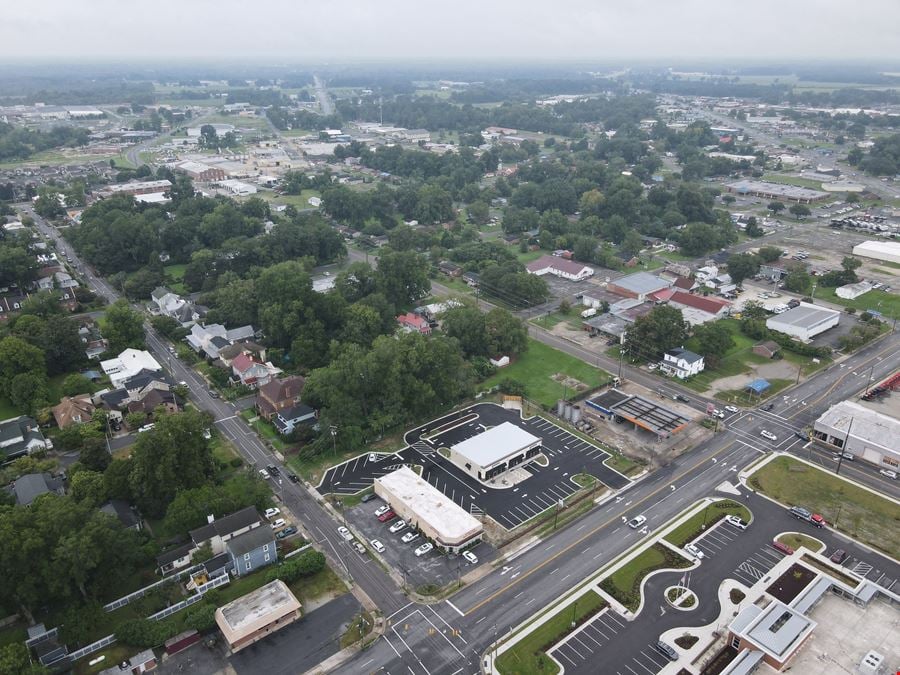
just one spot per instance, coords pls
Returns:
(29, 487)
(252, 550)
(20, 436)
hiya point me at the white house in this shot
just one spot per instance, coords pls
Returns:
(681, 363)
(560, 267)
(128, 364)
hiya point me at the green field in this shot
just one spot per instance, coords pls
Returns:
(528, 657)
(795, 540)
(624, 584)
(886, 303)
(7, 409)
(299, 202)
(792, 180)
(536, 368)
(864, 515)
(173, 276)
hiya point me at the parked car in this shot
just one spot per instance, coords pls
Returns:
(377, 545)
(732, 408)
(805, 514)
(286, 532)
(359, 548)
(279, 523)
(839, 556)
(636, 522)
(264, 474)
(470, 557)
(271, 513)
(373, 457)
(667, 650)
(718, 413)
(692, 549)
(409, 536)
(396, 527)
(369, 496)
(386, 516)
(146, 427)
(423, 549)
(769, 435)
(736, 522)
(887, 473)
(345, 533)
(384, 508)
(784, 548)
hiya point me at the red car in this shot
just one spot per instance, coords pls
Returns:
(386, 516)
(784, 548)
(817, 520)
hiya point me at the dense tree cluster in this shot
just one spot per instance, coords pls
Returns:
(883, 159)
(21, 143)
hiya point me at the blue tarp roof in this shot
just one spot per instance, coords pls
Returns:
(758, 386)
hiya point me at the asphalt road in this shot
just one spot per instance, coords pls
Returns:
(325, 104)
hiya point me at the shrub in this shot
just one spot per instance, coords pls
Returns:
(201, 617)
(512, 387)
(303, 565)
(143, 633)
(236, 462)
(736, 595)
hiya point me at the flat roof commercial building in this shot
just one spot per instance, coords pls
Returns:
(873, 436)
(426, 508)
(887, 251)
(252, 617)
(495, 451)
(638, 285)
(805, 321)
(776, 191)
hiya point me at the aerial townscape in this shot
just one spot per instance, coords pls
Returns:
(510, 338)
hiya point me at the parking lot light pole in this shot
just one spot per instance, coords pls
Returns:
(837, 470)
(574, 612)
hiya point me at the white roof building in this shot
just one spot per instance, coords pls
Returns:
(495, 451)
(888, 251)
(851, 291)
(873, 436)
(425, 507)
(127, 364)
(805, 321)
(258, 614)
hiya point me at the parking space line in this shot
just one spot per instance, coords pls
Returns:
(557, 651)
(589, 636)
(575, 637)
(635, 660)
(634, 672)
(652, 658)
(600, 632)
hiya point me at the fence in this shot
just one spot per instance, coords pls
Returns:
(296, 551)
(43, 637)
(187, 602)
(124, 600)
(91, 648)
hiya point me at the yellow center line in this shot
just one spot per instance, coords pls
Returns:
(578, 542)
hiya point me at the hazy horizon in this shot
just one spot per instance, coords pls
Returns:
(284, 33)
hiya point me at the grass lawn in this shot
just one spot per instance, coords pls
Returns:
(115, 653)
(300, 201)
(319, 584)
(455, 285)
(15, 632)
(536, 367)
(529, 256)
(624, 584)
(174, 275)
(709, 516)
(863, 515)
(7, 409)
(742, 397)
(585, 480)
(54, 388)
(527, 657)
(361, 625)
(548, 321)
(792, 180)
(265, 429)
(623, 465)
(795, 540)
(879, 301)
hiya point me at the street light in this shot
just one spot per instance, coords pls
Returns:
(333, 429)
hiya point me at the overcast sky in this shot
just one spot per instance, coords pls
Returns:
(536, 30)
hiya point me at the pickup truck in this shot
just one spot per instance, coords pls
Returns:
(804, 514)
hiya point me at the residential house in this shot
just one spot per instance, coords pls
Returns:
(251, 349)
(560, 267)
(94, 343)
(767, 349)
(288, 419)
(126, 514)
(252, 550)
(450, 269)
(73, 410)
(252, 373)
(153, 400)
(472, 279)
(135, 389)
(217, 533)
(210, 339)
(10, 303)
(29, 487)
(128, 364)
(20, 436)
(173, 305)
(413, 323)
(55, 279)
(279, 394)
(681, 363)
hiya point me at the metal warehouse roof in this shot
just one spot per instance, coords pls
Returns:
(803, 316)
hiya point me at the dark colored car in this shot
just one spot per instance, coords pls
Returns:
(286, 532)
(368, 497)
(293, 478)
(667, 650)
(770, 406)
(801, 435)
(839, 556)
(273, 469)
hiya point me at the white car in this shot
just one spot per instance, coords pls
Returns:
(887, 473)
(345, 533)
(396, 527)
(736, 522)
(636, 522)
(377, 545)
(691, 549)
(470, 557)
(373, 457)
(718, 413)
(423, 549)
(359, 548)
(271, 513)
(278, 524)
(732, 408)
(382, 510)
(264, 474)
(769, 435)
(409, 536)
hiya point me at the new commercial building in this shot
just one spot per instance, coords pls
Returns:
(887, 251)
(252, 617)
(426, 508)
(851, 427)
(495, 451)
(805, 321)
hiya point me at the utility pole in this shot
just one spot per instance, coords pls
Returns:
(869, 380)
(843, 448)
